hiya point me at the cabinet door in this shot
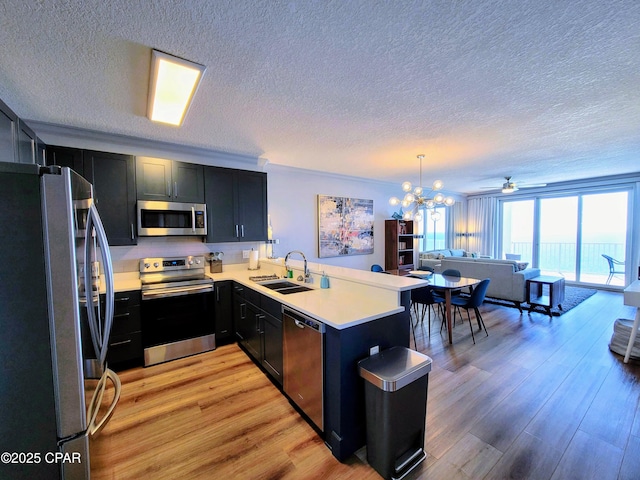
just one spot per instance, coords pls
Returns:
(221, 206)
(252, 205)
(272, 361)
(223, 311)
(154, 179)
(26, 143)
(188, 182)
(8, 134)
(114, 186)
(66, 157)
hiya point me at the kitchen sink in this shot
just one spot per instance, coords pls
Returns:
(284, 286)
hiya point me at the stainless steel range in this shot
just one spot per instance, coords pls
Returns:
(177, 308)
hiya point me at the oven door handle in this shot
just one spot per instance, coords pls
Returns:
(176, 291)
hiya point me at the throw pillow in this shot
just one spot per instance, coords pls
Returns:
(430, 255)
(440, 257)
(522, 265)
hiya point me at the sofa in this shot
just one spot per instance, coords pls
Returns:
(508, 277)
(432, 258)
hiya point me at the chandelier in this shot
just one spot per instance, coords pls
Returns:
(415, 200)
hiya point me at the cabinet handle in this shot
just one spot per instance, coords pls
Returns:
(217, 294)
(237, 231)
(124, 342)
(121, 315)
(122, 299)
(175, 189)
(258, 317)
(242, 230)
(168, 188)
(243, 311)
(132, 233)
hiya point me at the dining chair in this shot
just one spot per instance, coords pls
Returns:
(473, 302)
(612, 267)
(449, 272)
(422, 302)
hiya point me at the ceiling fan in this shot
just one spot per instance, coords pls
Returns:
(510, 187)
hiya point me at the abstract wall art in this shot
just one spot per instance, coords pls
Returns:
(345, 226)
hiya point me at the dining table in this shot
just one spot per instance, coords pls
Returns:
(446, 284)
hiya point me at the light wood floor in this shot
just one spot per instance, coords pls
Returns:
(539, 398)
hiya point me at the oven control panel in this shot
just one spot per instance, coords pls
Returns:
(159, 264)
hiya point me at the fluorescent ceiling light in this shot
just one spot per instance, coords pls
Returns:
(173, 83)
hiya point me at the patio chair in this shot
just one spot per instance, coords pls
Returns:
(612, 267)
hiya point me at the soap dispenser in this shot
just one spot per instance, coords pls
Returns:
(324, 281)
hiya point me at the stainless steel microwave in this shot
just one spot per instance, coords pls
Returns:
(156, 219)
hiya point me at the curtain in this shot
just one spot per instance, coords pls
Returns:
(482, 216)
(457, 226)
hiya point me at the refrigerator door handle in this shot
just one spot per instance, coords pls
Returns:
(100, 337)
(96, 400)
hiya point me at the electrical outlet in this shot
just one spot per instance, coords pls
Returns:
(374, 350)
(245, 253)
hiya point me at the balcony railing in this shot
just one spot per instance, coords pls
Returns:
(561, 257)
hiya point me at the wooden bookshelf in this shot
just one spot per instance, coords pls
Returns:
(399, 246)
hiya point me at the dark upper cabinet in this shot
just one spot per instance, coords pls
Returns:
(236, 205)
(113, 178)
(114, 185)
(66, 157)
(8, 134)
(169, 181)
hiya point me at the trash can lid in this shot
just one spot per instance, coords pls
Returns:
(392, 369)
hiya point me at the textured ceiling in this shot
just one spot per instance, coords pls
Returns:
(541, 90)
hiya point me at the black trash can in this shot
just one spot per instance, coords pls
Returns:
(396, 383)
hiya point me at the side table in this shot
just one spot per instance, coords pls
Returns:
(554, 294)
(632, 297)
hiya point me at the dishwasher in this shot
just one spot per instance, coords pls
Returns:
(303, 376)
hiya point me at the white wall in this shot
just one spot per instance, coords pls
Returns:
(293, 209)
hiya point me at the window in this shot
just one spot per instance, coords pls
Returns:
(568, 235)
(434, 231)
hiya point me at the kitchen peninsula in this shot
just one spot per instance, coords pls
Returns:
(361, 310)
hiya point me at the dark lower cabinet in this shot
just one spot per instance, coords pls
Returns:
(125, 341)
(224, 311)
(258, 326)
(272, 354)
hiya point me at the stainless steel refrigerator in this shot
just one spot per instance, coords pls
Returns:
(53, 332)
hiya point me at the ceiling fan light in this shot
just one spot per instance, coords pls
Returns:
(173, 83)
(508, 189)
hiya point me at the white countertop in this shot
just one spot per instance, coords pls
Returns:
(355, 296)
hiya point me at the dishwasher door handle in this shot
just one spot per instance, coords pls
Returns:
(298, 323)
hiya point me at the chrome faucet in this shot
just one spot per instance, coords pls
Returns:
(306, 278)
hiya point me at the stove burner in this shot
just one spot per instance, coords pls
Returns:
(262, 278)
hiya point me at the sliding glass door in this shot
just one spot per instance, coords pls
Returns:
(569, 235)
(558, 242)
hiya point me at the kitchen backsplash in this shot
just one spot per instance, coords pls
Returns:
(127, 259)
